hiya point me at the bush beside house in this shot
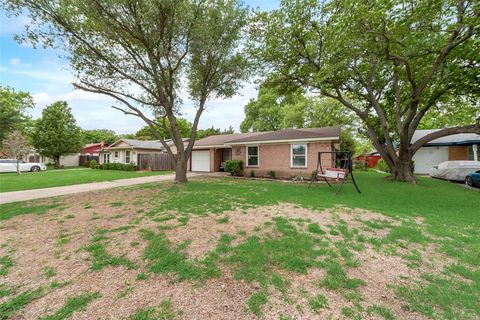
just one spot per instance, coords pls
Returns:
(234, 167)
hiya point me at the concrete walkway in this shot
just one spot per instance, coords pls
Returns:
(14, 196)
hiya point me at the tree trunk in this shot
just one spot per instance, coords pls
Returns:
(57, 162)
(181, 168)
(403, 169)
(18, 167)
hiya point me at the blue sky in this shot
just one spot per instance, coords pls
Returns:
(47, 77)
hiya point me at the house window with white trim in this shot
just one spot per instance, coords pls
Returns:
(252, 156)
(115, 154)
(127, 156)
(106, 157)
(299, 155)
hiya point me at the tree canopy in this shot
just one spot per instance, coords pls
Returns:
(13, 105)
(147, 54)
(392, 62)
(99, 135)
(56, 133)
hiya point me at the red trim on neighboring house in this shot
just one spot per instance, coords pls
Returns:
(371, 160)
(93, 148)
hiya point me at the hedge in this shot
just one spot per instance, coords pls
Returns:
(234, 167)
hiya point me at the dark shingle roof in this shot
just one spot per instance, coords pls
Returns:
(287, 134)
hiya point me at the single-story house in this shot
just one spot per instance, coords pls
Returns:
(93, 149)
(127, 150)
(463, 146)
(70, 160)
(287, 152)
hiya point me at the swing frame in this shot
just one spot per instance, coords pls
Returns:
(341, 174)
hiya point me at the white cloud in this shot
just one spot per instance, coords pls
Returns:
(16, 62)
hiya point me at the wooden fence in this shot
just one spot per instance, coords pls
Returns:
(155, 162)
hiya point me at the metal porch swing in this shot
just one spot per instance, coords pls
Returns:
(343, 169)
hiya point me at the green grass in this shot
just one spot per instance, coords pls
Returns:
(318, 303)
(5, 264)
(10, 210)
(73, 304)
(256, 302)
(56, 178)
(101, 259)
(12, 305)
(49, 272)
(163, 312)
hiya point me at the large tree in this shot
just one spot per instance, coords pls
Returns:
(390, 61)
(56, 133)
(146, 53)
(99, 135)
(13, 105)
(184, 126)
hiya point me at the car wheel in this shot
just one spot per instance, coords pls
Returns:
(35, 169)
(469, 181)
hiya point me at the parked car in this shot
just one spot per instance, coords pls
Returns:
(10, 165)
(454, 170)
(473, 179)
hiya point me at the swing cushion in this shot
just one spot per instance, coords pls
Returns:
(334, 173)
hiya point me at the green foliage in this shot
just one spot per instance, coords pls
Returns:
(56, 132)
(272, 174)
(10, 306)
(203, 133)
(234, 167)
(382, 166)
(73, 304)
(374, 63)
(99, 135)
(119, 166)
(184, 126)
(195, 48)
(360, 165)
(13, 105)
(93, 164)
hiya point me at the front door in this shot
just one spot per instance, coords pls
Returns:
(106, 157)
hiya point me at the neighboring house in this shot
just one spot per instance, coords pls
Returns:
(70, 160)
(371, 159)
(287, 152)
(463, 146)
(93, 149)
(127, 150)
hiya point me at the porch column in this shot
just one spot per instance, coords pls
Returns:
(475, 153)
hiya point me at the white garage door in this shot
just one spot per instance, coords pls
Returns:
(427, 157)
(201, 161)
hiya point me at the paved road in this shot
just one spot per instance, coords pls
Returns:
(14, 196)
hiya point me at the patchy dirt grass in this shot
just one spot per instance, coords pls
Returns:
(348, 262)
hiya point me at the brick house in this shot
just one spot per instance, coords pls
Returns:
(287, 152)
(463, 146)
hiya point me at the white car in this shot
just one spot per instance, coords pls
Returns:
(454, 170)
(10, 165)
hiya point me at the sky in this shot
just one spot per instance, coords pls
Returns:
(47, 78)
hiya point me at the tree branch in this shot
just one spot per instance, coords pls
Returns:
(475, 128)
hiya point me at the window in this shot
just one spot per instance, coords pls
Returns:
(106, 157)
(471, 153)
(299, 155)
(127, 156)
(252, 156)
(115, 155)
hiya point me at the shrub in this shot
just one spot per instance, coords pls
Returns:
(86, 164)
(272, 174)
(234, 167)
(382, 166)
(360, 165)
(93, 164)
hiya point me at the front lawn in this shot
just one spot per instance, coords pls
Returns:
(236, 249)
(64, 177)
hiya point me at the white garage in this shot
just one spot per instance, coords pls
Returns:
(427, 157)
(201, 160)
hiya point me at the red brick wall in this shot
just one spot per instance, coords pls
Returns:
(277, 157)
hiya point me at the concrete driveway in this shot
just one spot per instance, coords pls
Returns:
(14, 196)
